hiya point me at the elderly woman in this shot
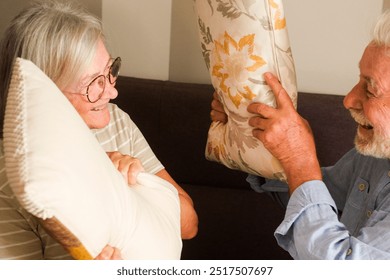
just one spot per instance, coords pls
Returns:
(69, 46)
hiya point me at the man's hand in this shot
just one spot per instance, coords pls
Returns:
(286, 135)
(217, 113)
(129, 166)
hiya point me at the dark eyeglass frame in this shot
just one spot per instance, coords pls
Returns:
(112, 76)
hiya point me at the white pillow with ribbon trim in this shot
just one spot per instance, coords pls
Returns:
(60, 174)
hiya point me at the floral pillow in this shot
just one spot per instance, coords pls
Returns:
(60, 174)
(240, 40)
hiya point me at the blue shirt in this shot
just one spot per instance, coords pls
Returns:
(345, 216)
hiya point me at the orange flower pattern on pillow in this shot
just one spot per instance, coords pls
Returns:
(234, 61)
(240, 40)
(279, 20)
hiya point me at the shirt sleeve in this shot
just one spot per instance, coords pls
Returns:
(142, 150)
(17, 239)
(21, 236)
(123, 135)
(311, 228)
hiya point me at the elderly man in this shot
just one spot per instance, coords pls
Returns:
(343, 211)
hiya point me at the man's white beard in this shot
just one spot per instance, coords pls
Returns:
(378, 146)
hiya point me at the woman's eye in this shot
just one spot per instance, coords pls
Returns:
(101, 82)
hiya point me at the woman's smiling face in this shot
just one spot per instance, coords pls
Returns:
(95, 115)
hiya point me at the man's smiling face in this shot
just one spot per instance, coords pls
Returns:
(369, 103)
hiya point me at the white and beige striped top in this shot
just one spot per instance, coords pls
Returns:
(21, 236)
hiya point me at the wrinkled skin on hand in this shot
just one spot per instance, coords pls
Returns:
(217, 113)
(286, 135)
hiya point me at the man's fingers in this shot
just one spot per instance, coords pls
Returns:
(260, 109)
(257, 122)
(281, 96)
(217, 113)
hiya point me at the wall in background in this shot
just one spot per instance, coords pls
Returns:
(186, 63)
(10, 8)
(140, 32)
(158, 39)
(386, 4)
(327, 39)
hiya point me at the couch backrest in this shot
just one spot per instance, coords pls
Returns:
(332, 125)
(175, 117)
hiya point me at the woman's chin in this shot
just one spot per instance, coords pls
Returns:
(98, 118)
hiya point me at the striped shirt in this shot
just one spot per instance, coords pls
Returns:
(21, 235)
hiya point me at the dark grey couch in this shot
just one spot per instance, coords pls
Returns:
(234, 221)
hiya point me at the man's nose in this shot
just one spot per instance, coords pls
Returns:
(353, 99)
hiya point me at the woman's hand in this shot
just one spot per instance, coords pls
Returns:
(217, 113)
(109, 253)
(129, 166)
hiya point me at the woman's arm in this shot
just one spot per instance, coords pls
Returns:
(130, 167)
(188, 216)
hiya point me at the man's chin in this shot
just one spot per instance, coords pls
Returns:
(378, 148)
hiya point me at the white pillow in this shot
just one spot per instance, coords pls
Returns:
(240, 40)
(60, 174)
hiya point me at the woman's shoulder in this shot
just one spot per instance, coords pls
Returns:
(117, 114)
(120, 122)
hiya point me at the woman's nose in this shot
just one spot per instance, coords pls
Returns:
(110, 91)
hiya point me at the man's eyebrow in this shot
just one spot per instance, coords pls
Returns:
(366, 79)
(370, 81)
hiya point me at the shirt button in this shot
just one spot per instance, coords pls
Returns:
(369, 213)
(362, 187)
(349, 252)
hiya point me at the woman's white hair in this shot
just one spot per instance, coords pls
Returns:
(59, 37)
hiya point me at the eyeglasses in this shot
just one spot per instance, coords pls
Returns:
(95, 88)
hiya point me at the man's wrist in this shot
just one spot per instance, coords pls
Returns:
(298, 174)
